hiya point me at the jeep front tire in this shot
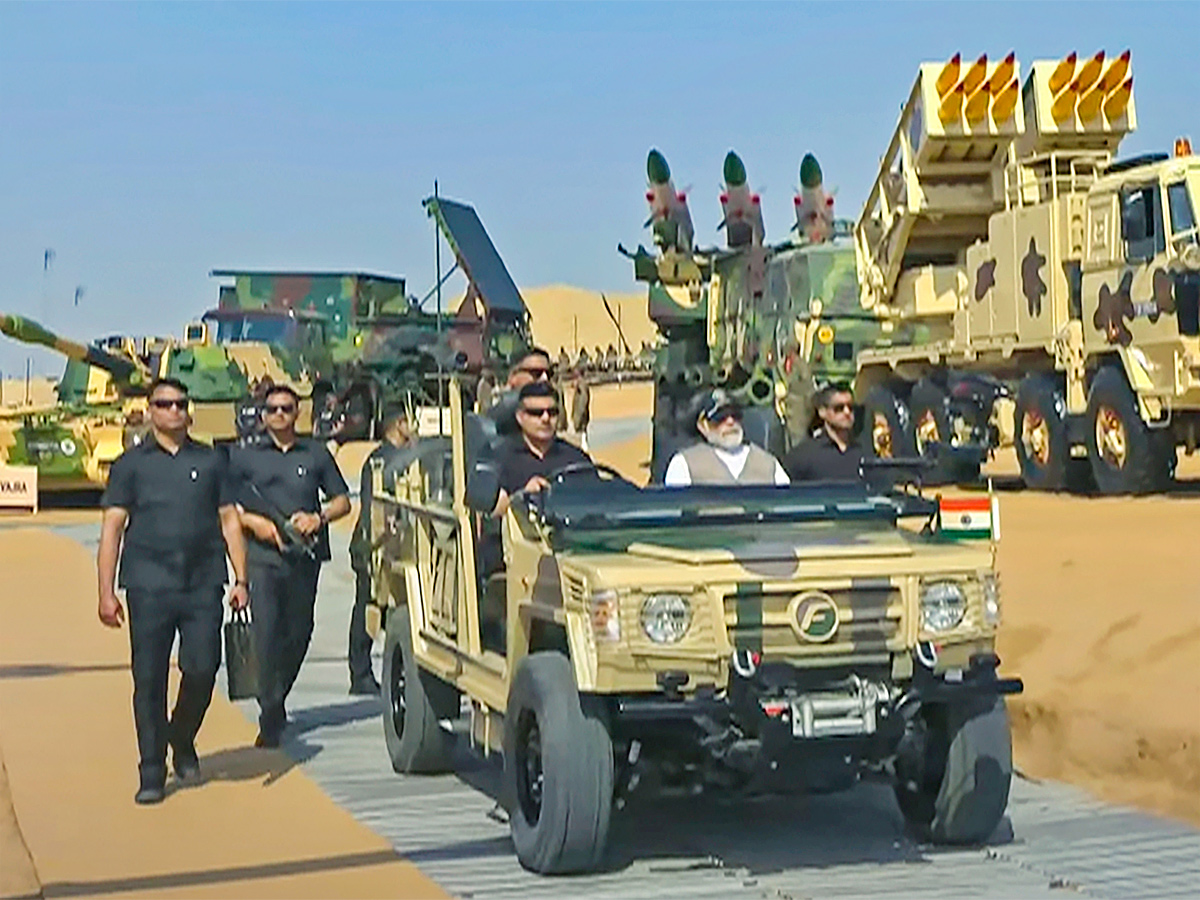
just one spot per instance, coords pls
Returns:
(558, 770)
(954, 770)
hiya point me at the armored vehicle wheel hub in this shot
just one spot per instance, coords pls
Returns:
(1111, 439)
(926, 431)
(1035, 435)
(881, 436)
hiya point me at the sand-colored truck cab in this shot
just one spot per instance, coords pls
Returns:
(754, 639)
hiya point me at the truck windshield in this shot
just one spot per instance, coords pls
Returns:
(1181, 200)
(252, 328)
(588, 504)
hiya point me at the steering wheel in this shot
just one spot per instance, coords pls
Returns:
(558, 476)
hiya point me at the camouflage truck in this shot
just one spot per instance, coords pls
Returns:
(378, 345)
(357, 337)
(769, 324)
(1057, 288)
(742, 639)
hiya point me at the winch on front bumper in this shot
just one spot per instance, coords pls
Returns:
(785, 727)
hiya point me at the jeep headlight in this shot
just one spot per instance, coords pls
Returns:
(991, 598)
(943, 605)
(666, 617)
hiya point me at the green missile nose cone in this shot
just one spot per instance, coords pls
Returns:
(810, 171)
(657, 169)
(735, 172)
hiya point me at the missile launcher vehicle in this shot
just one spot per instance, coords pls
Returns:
(1041, 293)
(770, 324)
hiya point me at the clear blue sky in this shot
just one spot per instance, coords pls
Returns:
(149, 144)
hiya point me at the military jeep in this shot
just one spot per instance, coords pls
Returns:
(755, 639)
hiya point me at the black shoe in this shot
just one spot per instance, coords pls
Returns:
(365, 687)
(187, 766)
(266, 739)
(149, 794)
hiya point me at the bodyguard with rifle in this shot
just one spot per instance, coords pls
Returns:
(282, 483)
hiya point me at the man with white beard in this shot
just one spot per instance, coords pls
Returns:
(723, 457)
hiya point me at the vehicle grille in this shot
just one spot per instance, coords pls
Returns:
(869, 622)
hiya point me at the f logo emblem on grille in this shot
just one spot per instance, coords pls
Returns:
(817, 617)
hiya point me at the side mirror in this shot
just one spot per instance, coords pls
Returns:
(483, 487)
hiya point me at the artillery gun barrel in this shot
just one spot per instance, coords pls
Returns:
(30, 332)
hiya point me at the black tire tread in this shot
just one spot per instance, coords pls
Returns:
(423, 747)
(1039, 392)
(571, 833)
(1150, 464)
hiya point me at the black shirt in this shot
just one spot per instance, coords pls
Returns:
(820, 459)
(518, 463)
(173, 539)
(292, 481)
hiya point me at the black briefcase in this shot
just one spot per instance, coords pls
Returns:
(241, 662)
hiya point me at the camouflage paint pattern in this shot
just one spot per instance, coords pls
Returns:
(345, 300)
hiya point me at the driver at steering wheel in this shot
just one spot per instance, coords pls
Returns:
(530, 457)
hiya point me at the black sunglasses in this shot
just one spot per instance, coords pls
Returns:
(840, 407)
(167, 404)
(280, 408)
(725, 412)
(537, 371)
(548, 413)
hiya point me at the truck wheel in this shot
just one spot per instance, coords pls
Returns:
(954, 768)
(1043, 450)
(887, 427)
(929, 406)
(413, 703)
(558, 770)
(1127, 457)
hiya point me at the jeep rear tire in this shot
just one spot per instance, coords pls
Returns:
(558, 770)
(414, 702)
(954, 769)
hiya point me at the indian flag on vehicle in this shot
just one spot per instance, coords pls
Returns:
(969, 517)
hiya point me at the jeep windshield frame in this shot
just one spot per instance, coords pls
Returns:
(592, 504)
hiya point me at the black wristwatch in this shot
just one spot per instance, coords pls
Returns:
(245, 584)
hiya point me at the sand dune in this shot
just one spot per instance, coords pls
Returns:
(571, 317)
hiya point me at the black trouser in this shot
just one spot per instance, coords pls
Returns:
(282, 598)
(154, 617)
(359, 652)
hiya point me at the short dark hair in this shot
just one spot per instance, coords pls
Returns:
(537, 389)
(173, 383)
(525, 354)
(282, 389)
(825, 394)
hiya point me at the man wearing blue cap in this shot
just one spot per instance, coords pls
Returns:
(724, 456)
